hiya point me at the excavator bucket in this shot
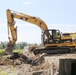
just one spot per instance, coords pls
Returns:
(9, 49)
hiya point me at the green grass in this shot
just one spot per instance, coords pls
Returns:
(2, 51)
(18, 50)
(3, 73)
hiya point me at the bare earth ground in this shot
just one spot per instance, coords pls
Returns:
(40, 65)
(19, 66)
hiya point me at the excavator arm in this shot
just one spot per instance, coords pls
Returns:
(12, 31)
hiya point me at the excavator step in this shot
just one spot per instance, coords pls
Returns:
(52, 50)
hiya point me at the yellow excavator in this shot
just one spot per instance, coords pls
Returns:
(52, 39)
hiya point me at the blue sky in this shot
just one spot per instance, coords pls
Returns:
(57, 14)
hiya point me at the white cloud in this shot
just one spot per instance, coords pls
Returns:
(27, 2)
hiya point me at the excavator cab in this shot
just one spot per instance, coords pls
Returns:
(54, 37)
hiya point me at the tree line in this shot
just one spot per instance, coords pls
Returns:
(18, 45)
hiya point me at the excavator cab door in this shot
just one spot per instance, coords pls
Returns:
(56, 36)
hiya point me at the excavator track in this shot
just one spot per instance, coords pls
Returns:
(52, 50)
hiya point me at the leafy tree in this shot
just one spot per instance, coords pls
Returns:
(18, 45)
